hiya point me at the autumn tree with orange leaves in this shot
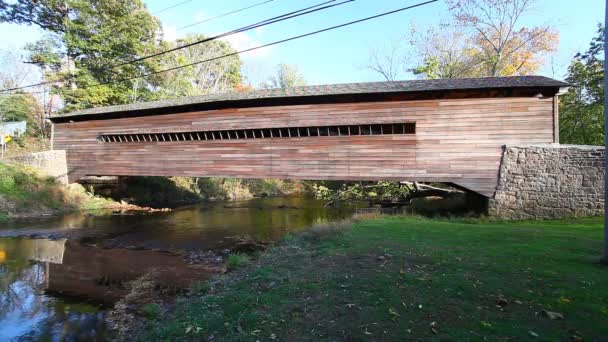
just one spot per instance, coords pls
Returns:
(501, 46)
(482, 38)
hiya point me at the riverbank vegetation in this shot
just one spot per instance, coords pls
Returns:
(396, 278)
(174, 191)
(25, 193)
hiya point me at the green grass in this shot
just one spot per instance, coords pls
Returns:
(24, 192)
(398, 279)
(151, 311)
(237, 260)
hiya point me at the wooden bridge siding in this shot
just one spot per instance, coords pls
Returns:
(456, 140)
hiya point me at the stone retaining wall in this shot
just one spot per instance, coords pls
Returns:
(50, 163)
(550, 181)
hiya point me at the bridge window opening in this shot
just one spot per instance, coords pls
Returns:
(376, 129)
(409, 128)
(266, 133)
(398, 129)
(387, 129)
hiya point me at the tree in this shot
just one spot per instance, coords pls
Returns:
(443, 53)
(502, 46)
(20, 106)
(483, 38)
(389, 62)
(205, 78)
(287, 76)
(23, 107)
(84, 39)
(582, 107)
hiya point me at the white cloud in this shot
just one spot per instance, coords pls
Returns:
(242, 41)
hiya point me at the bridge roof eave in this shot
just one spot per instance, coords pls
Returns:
(334, 93)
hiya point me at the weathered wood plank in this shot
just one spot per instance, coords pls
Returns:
(457, 140)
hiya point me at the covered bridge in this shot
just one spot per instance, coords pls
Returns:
(449, 131)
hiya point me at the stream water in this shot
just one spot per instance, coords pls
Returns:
(59, 276)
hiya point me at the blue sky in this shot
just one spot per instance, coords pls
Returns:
(339, 56)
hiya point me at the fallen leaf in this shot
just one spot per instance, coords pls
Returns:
(565, 300)
(486, 324)
(393, 312)
(532, 333)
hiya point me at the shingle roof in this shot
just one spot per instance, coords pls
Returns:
(336, 89)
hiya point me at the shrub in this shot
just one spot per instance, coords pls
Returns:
(151, 310)
(323, 231)
(237, 260)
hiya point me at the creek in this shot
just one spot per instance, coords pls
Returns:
(59, 276)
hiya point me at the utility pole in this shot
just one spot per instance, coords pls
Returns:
(605, 255)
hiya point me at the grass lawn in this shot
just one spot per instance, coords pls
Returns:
(398, 278)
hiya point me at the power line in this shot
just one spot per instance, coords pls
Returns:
(307, 10)
(268, 44)
(283, 17)
(275, 42)
(224, 14)
(171, 7)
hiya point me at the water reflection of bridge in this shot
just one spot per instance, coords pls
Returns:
(100, 275)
